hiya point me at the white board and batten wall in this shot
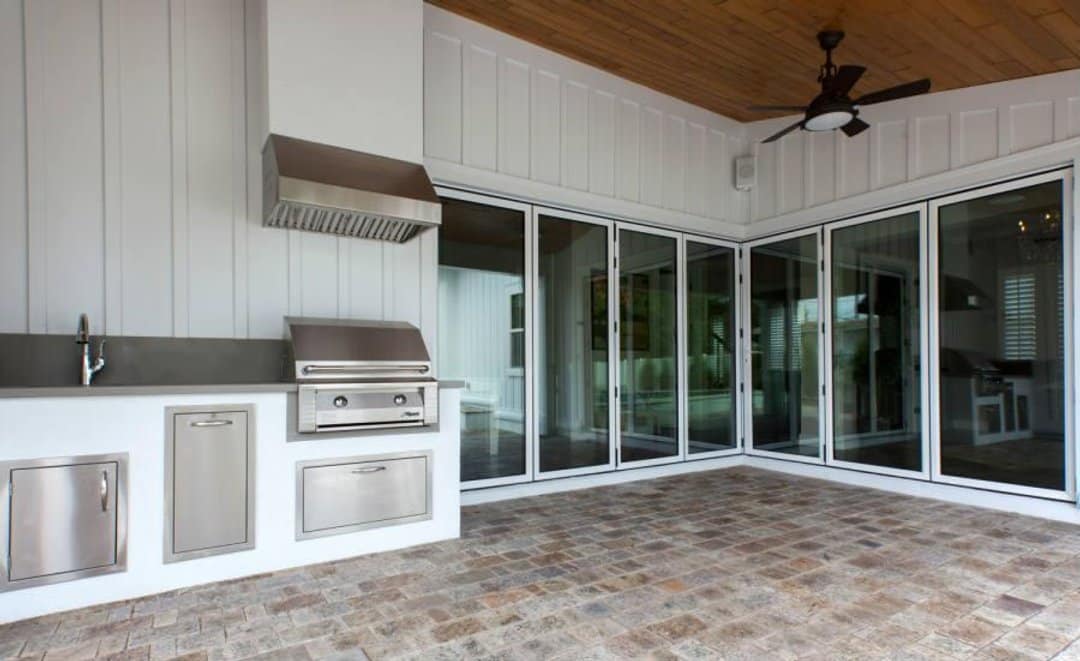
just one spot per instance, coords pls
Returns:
(506, 116)
(130, 181)
(130, 176)
(957, 138)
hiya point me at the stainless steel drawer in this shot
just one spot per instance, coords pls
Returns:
(355, 493)
(67, 518)
(209, 481)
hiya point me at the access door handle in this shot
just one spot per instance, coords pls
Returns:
(369, 469)
(220, 422)
(104, 491)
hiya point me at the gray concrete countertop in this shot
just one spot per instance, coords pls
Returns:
(120, 391)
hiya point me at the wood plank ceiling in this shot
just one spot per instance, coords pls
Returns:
(727, 55)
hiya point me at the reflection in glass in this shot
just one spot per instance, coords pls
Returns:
(647, 360)
(875, 343)
(481, 332)
(1001, 306)
(784, 346)
(572, 348)
(710, 347)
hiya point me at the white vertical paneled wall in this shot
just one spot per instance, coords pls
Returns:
(130, 182)
(911, 140)
(502, 107)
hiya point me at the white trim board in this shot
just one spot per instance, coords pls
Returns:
(993, 500)
(574, 483)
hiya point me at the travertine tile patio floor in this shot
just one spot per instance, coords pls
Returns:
(736, 564)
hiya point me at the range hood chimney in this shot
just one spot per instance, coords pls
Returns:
(344, 115)
(332, 190)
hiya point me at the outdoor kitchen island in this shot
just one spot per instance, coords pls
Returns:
(150, 532)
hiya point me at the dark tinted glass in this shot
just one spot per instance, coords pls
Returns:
(481, 285)
(710, 347)
(572, 397)
(784, 331)
(876, 392)
(1001, 301)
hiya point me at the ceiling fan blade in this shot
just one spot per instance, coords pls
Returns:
(777, 136)
(891, 94)
(791, 108)
(854, 127)
(845, 78)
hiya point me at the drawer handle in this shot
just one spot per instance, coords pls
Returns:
(369, 469)
(104, 491)
(211, 423)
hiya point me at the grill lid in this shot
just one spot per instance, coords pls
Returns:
(332, 190)
(345, 349)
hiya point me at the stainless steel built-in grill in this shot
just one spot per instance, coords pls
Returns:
(361, 375)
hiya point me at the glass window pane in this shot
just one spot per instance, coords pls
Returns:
(649, 417)
(875, 343)
(1001, 327)
(481, 278)
(784, 330)
(572, 349)
(710, 347)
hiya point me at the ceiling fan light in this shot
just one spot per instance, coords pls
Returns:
(828, 121)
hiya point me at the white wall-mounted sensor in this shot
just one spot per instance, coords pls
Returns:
(745, 173)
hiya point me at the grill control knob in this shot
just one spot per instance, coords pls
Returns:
(399, 400)
(341, 401)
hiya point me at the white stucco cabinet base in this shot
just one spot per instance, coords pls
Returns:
(39, 427)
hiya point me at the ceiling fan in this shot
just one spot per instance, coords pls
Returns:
(833, 108)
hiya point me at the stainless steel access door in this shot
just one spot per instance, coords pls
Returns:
(209, 457)
(344, 495)
(63, 519)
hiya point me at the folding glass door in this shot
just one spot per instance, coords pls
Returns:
(783, 330)
(712, 368)
(484, 331)
(1002, 336)
(648, 304)
(573, 350)
(874, 342)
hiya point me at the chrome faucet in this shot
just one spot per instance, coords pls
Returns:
(88, 368)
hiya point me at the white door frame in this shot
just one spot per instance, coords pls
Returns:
(919, 208)
(1066, 178)
(748, 399)
(613, 292)
(736, 339)
(680, 329)
(525, 209)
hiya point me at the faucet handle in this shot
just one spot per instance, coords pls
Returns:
(101, 350)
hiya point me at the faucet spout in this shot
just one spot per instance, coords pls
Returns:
(82, 335)
(89, 366)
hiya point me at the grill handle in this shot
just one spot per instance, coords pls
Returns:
(346, 369)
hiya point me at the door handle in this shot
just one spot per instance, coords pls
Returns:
(369, 469)
(104, 491)
(220, 422)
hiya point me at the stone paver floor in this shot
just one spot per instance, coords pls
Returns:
(734, 564)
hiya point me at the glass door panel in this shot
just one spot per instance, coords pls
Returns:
(481, 333)
(573, 373)
(876, 392)
(648, 358)
(1001, 337)
(710, 348)
(784, 331)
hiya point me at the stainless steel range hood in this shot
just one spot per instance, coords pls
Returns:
(319, 188)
